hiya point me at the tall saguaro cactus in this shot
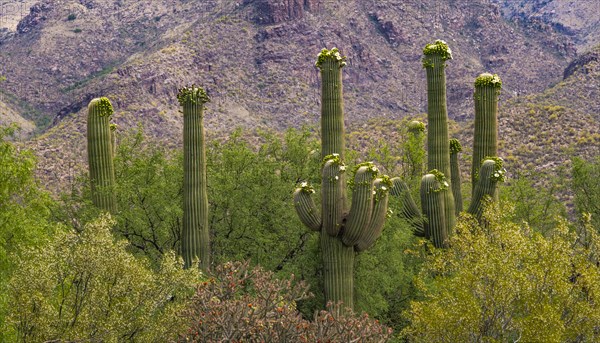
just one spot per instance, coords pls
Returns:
(342, 232)
(100, 154)
(438, 149)
(195, 239)
(485, 142)
(440, 188)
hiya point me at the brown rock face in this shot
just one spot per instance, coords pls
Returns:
(277, 11)
(37, 14)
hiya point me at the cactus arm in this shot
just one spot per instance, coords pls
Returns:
(306, 208)
(113, 138)
(490, 174)
(409, 209)
(195, 236)
(380, 212)
(455, 181)
(100, 154)
(485, 138)
(432, 200)
(362, 204)
(438, 150)
(332, 195)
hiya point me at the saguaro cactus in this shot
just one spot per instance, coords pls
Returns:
(485, 142)
(455, 148)
(438, 150)
(100, 154)
(341, 232)
(195, 239)
(436, 199)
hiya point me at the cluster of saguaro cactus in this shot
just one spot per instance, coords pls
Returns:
(195, 238)
(100, 147)
(441, 197)
(342, 232)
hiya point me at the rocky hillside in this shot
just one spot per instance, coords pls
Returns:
(579, 19)
(256, 59)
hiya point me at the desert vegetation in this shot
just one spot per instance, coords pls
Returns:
(224, 239)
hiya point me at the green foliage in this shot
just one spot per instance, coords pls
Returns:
(503, 282)
(25, 212)
(535, 204)
(86, 287)
(586, 187)
(251, 215)
(263, 309)
(149, 195)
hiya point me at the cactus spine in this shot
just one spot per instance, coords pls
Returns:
(100, 154)
(341, 232)
(195, 238)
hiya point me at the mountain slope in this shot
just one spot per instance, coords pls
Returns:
(256, 59)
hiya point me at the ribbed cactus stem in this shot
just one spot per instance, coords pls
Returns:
(100, 154)
(332, 194)
(455, 180)
(306, 208)
(433, 187)
(332, 103)
(438, 150)
(378, 216)
(409, 208)
(195, 238)
(362, 204)
(485, 140)
(490, 174)
(113, 138)
(338, 270)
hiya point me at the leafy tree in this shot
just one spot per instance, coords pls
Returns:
(86, 287)
(504, 282)
(586, 187)
(24, 210)
(535, 202)
(252, 216)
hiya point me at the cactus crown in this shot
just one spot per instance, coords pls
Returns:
(439, 47)
(335, 158)
(441, 178)
(455, 146)
(370, 166)
(487, 79)
(192, 94)
(330, 55)
(499, 174)
(416, 126)
(307, 188)
(386, 181)
(104, 106)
